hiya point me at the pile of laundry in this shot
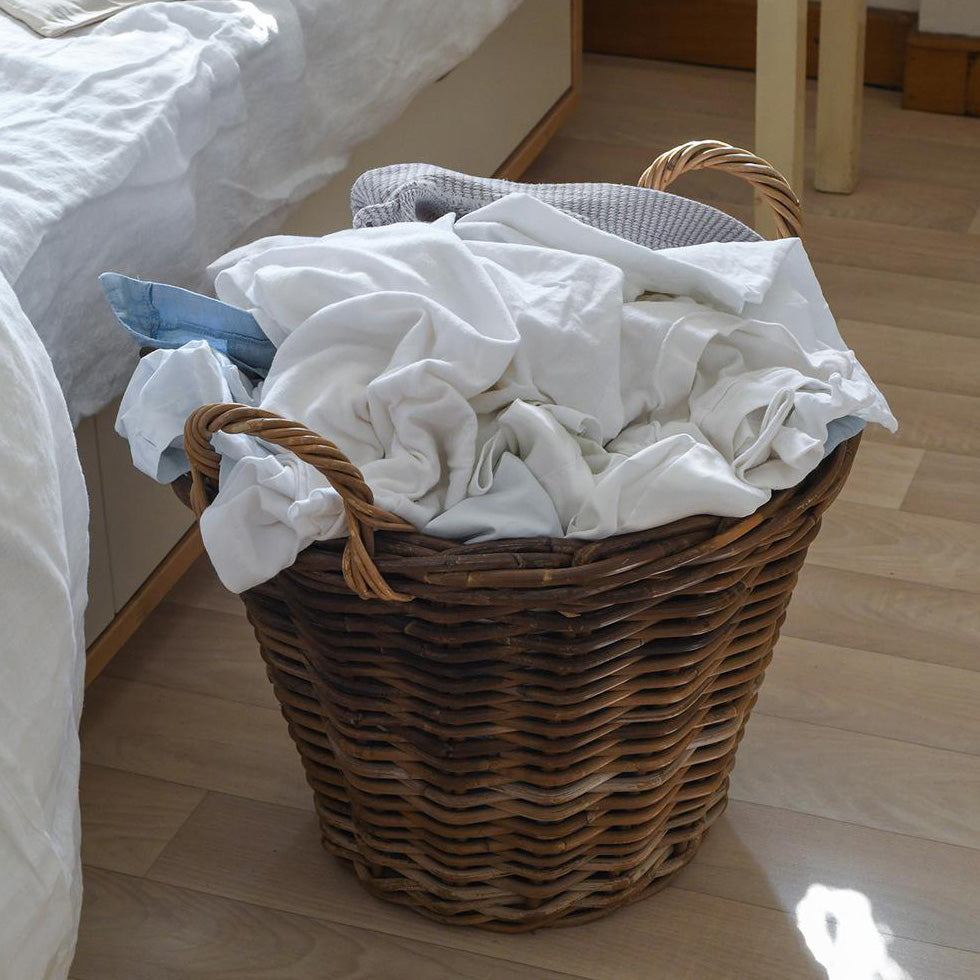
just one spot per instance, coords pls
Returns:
(504, 367)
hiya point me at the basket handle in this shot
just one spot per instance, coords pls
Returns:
(714, 154)
(363, 517)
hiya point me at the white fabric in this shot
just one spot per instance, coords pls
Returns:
(55, 17)
(155, 140)
(43, 564)
(519, 356)
(163, 386)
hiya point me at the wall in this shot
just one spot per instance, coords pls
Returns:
(950, 17)
(940, 16)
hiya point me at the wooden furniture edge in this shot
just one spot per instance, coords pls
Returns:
(146, 598)
(725, 38)
(780, 97)
(942, 74)
(840, 95)
(180, 558)
(537, 139)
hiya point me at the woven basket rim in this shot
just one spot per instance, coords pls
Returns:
(559, 565)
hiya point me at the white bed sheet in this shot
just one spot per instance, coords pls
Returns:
(152, 142)
(43, 564)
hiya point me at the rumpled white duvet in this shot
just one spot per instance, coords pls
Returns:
(157, 139)
(513, 372)
(43, 564)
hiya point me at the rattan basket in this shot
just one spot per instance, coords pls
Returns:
(523, 733)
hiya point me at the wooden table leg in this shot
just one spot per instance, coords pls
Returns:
(780, 89)
(840, 88)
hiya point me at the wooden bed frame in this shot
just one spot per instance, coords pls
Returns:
(320, 212)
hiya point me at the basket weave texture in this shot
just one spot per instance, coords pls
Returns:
(519, 733)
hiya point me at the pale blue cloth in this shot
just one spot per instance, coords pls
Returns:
(839, 430)
(167, 317)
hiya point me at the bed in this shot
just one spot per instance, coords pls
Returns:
(154, 141)
(172, 130)
(148, 144)
(43, 559)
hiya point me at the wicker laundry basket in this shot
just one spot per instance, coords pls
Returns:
(524, 733)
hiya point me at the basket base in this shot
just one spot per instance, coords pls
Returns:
(573, 917)
(530, 919)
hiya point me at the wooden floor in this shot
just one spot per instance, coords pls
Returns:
(854, 825)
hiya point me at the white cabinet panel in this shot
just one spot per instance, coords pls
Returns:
(143, 519)
(470, 120)
(100, 609)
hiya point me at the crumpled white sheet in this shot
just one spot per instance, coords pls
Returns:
(157, 139)
(43, 566)
(516, 372)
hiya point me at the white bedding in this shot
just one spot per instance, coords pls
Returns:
(43, 564)
(55, 17)
(152, 142)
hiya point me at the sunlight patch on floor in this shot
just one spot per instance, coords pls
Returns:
(842, 935)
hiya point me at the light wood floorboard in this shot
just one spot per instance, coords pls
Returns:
(770, 856)
(913, 547)
(134, 928)
(884, 783)
(886, 615)
(129, 819)
(656, 938)
(194, 739)
(882, 474)
(633, 81)
(857, 791)
(937, 420)
(199, 589)
(870, 245)
(868, 692)
(916, 358)
(946, 485)
(902, 299)
(197, 650)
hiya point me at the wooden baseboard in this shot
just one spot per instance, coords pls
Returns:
(146, 598)
(721, 34)
(942, 74)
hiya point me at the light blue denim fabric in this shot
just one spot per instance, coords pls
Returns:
(158, 315)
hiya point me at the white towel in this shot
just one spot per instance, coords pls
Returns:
(519, 354)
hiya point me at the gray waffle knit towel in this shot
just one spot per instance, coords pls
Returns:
(422, 192)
